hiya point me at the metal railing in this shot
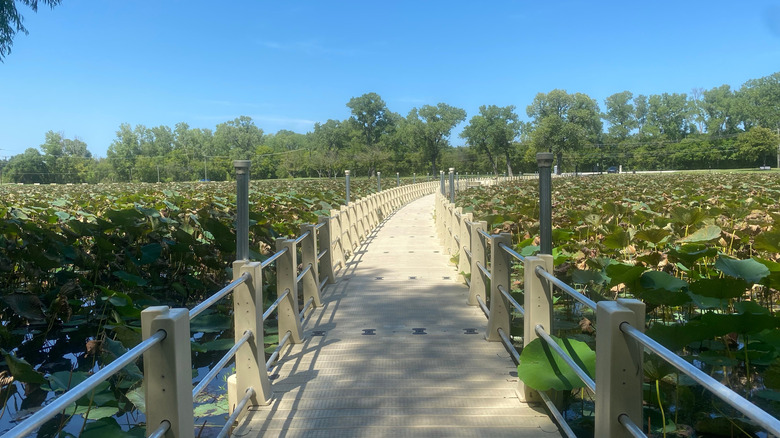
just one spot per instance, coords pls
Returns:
(620, 343)
(169, 391)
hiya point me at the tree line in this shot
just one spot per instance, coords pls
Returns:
(717, 128)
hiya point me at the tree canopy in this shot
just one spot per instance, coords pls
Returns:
(12, 21)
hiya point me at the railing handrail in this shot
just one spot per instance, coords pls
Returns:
(63, 401)
(574, 293)
(720, 390)
(222, 293)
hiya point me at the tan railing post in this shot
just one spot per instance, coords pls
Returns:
(363, 228)
(337, 239)
(464, 266)
(619, 371)
(286, 275)
(310, 281)
(500, 272)
(457, 217)
(346, 230)
(325, 242)
(168, 371)
(248, 315)
(538, 306)
(478, 255)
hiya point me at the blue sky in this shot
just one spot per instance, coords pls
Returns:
(88, 66)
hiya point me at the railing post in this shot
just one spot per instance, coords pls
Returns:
(379, 181)
(337, 239)
(619, 366)
(248, 315)
(478, 250)
(346, 174)
(538, 306)
(500, 272)
(398, 179)
(286, 275)
(455, 218)
(443, 191)
(544, 160)
(310, 282)
(324, 241)
(242, 209)
(168, 371)
(346, 229)
(464, 267)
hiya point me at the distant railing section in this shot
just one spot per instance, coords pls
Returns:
(169, 392)
(485, 258)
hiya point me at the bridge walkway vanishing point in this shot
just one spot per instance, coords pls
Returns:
(396, 351)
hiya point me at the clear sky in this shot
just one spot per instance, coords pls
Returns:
(88, 66)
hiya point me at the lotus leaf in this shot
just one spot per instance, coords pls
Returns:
(542, 369)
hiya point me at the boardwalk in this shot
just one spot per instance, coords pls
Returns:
(396, 352)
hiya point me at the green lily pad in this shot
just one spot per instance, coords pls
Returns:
(748, 269)
(705, 234)
(720, 288)
(21, 370)
(542, 369)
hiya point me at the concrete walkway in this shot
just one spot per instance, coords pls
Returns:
(395, 351)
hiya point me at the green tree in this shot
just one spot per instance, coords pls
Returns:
(28, 167)
(720, 108)
(11, 21)
(329, 140)
(760, 102)
(122, 152)
(371, 120)
(237, 138)
(669, 115)
(493, 132)
(430, 126)
(621, 115)
(67, 160)
(757, 146)
(563, 122)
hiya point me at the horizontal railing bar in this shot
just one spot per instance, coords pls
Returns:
(275, 304)
(302, 236)
(457, 239)
(273, 258)
(320, 225)
(485, 234)
(279, 347)
(457, 214)
(557, 414)
(161, 430)
(511, 252)
(221, 364)
(306, 307)
(468, 281)
(467, 252)
(322, 283)
(28, 426)
(210, 301)
(509, 347)
(240, 406)
(484, 270)
(630, 426)
(511, 299)
(322, 254)
(303, 272)
(484, 306)
(467, 222)
(574, 293)
(566, 358)
(770, 423)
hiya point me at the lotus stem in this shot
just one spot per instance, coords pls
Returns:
(661, 406)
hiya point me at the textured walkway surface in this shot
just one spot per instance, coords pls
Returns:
(395, 351)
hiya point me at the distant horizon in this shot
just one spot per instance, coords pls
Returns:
(291, 66)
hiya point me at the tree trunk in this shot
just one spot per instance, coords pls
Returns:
(559, 163)
(508, 165)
